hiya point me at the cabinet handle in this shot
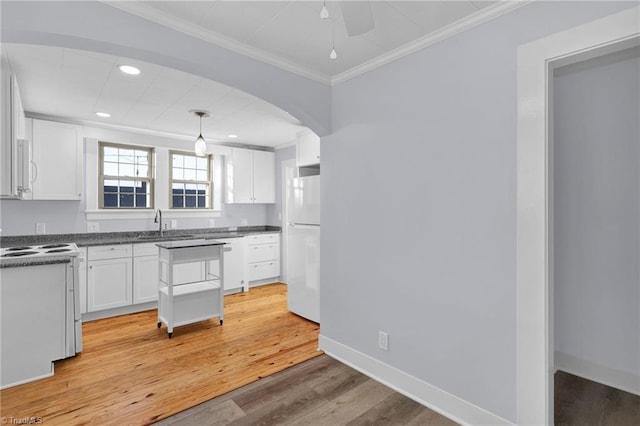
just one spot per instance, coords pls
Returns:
(34, 169)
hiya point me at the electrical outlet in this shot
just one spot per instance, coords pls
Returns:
(174, 224)
(212, 223)
(93, 227)
(243, 222)
(383, 340)
(40, 228)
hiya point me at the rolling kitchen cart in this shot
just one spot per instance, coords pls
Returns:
(184, 303)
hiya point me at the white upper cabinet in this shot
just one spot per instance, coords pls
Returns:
(250, 177)
(57, 161)
(307, 149)
(12, 133)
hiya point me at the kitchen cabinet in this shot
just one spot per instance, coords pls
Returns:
(12, 133)
(307, 149)
(57, 161)
(145, 273)
(109, 277)
(263, 256)
(234, 265)
(250, 177)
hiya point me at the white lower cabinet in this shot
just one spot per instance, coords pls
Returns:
(145, 273)
(234, 265)
(109, 283)
(263, 256)
(145, 279)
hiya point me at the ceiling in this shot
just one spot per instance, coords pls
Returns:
(290, 34)
(75, 84)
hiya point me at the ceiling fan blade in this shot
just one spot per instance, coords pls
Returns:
(358, 18)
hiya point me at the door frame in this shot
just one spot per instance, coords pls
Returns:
(534, 240)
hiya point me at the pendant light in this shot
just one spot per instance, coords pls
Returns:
(333, 54)
(200, 146)
(324, 12)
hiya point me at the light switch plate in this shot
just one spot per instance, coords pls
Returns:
(93, 227)
(243, 222)
(174, 224)
(212, 223)
(40, 228)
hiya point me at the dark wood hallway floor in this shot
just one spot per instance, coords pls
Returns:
(323, 391)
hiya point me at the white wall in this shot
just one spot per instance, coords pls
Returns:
(596, 214)
(419, 210)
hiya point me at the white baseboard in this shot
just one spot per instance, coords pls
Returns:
(428, 395)
(622, 380)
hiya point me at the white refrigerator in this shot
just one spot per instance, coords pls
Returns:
(303, 246)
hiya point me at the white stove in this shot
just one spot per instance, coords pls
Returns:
(44, 250)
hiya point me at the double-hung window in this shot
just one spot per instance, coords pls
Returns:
(126, 176)
(190, 181)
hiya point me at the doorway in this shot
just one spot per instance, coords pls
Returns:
(534, 276)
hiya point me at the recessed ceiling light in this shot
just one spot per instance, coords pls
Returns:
(128, 69)
(103, 114)
(232, 136)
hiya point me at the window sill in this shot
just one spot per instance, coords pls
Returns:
(148, 214)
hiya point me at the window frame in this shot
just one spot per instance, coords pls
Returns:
(150, 179)
(209, 182)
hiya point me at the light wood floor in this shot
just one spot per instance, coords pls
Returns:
(130, 373)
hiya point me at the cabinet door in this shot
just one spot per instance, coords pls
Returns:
(145, 279)
(109, 284)
(239, 173)
(57, 158)
(264, 177)
(308, 150)
(234, 264)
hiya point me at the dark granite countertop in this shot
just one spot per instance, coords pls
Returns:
(18, 263)
(108, 238)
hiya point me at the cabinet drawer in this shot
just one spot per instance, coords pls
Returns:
(109, 252)
(262, 238)
(263, 252)
(263, 270)
(145, 249)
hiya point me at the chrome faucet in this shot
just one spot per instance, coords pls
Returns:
(158, 219)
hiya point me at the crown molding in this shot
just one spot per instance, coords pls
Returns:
(145, 12)
(483, 15)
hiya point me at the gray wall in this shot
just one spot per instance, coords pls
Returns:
(596, 212)
(419, 207)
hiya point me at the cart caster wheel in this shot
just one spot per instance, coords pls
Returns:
(170, 335)
(221, 322)
(159, 324)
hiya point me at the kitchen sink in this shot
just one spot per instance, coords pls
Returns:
(164, 237)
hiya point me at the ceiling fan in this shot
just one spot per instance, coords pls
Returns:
(358, 18)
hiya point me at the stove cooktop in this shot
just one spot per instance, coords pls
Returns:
(38, 251)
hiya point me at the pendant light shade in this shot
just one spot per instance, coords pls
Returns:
(200, 146)
(333, 54)
(324, 12)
